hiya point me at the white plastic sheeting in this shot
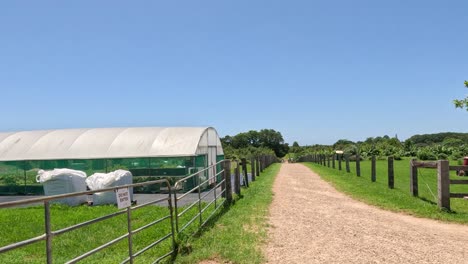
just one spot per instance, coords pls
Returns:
(62, 181)
(108, 143)
(106, 180)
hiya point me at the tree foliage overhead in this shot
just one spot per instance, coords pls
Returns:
(462, 103)
(263, 139)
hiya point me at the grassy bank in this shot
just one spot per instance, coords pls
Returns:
(238, 234)
(23, 223)
(399, 199)
(234, 234)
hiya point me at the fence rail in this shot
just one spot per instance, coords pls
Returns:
(50, 234)
(443, 180)
(213, 174)
(442, 166)
(218, 183)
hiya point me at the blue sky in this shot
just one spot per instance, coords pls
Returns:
(317, 71)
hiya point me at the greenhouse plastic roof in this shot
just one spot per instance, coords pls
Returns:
(108, 143)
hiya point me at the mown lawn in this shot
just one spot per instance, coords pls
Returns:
(398, 199)
(234, 234)
(238, 234)
(23, 223)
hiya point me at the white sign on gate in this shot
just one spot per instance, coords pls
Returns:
(123, 198)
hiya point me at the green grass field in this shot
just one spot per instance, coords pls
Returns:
(23, 223)
(236, 236)
(240, 226)
(399, 199)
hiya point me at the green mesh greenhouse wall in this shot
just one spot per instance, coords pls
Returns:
(19, 177)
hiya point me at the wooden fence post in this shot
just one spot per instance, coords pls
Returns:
(333, 160)
(373, 169)
(391, 179)
(258, 166)
(358, 165)
(244, 172)
(261, 163)
(252, 168)
(347, 163)
(339, 161)
(237, 184)
(443, 184)
(413, 178)
(227, 181)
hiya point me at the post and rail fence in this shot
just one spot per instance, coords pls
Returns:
(324, 159)
(443, 180)
(442, 166)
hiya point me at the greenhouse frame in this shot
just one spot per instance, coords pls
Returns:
(149, 153)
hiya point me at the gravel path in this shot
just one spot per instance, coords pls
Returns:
(311, 222)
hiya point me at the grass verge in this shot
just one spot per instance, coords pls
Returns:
(235, 231)
(398, 199)
(237, 236)
(23, 223)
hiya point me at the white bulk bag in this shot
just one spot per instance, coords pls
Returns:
(61, 181)
(106, 180)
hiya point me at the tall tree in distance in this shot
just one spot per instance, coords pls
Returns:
(265, 138)
(463, 103)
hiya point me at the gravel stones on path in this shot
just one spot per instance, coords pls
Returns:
(311, 222)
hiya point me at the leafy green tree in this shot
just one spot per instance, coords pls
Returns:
(226, 141)
(342, 144)
(256, 140)
(272, 139)
(452, 142)
(462, 103)
(240, 140)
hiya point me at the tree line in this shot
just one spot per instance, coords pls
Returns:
(447, 145)
(246, 144)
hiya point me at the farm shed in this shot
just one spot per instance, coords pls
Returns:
(147, 152)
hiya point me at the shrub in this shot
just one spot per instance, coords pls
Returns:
(354, 158)
(442, 156)
(424, 154)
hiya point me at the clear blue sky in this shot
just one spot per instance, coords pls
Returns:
(317, 71)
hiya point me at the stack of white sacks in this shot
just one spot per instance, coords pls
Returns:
(106, 180)
(62, 181)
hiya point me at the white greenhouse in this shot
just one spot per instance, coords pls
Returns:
(147, 152)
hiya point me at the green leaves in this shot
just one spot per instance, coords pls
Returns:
(463, 103)
(265, 138)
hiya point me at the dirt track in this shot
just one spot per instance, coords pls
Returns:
(311, 222)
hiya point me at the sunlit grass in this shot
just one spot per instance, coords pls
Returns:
(397, 199)
(236, 236)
